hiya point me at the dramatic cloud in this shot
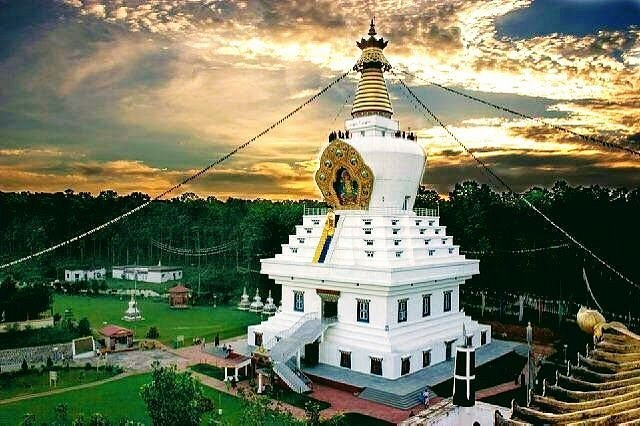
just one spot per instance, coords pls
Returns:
(134, 95)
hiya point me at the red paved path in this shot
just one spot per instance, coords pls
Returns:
(345, 402)
(496, 390)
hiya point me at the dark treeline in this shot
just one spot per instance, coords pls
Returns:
(482, 221)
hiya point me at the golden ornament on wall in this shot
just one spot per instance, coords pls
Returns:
(343, 177)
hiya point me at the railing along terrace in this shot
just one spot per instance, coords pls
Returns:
(419, 211)
(399, 134)
(316, 211)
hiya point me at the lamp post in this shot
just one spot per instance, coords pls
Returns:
(565, 353)
(214, 300)
(529, 369)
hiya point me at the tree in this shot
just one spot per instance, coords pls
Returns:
(258, 410)
(84, 327)
(174, 398)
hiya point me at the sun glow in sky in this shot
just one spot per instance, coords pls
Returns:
(134, 95)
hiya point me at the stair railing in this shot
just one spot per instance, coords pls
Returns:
(292, 365)
(288, 332)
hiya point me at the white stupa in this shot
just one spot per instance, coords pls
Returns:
(244, 300)
(132, 313)
(256, 305)
(269, 308)
(370, 284)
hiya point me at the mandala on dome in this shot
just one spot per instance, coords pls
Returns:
(343, 177)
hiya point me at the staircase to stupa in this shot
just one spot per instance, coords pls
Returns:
(288, 343)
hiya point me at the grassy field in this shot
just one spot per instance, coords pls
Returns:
(197, 321)
(115, 400)
(35, 382)
(115, 284)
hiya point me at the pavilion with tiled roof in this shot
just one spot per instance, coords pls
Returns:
(116, 337)
(602, 388)
(179, 297)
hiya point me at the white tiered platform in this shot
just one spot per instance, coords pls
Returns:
(370, 285)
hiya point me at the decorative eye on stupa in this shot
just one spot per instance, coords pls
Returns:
(353, 161)
(328, 164)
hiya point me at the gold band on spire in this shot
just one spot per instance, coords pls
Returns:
(372, 96)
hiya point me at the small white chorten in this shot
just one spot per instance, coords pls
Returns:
(244, 304)
(256, 305)
(269, 308)
(132, 313)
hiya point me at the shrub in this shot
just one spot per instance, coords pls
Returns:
(153, 333)
(62, 412)
(29, 420)
(24, 366)
(98, 419)
(49, 363)
(79, 420)
(87, 366)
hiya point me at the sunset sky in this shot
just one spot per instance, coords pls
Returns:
(134, 95)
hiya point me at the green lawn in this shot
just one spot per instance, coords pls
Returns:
(197, 321)
(35, 382)
(209, 370)
(298, 400)
(116, 400)
(115, 284)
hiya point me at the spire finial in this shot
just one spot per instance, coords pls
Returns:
(372, 28)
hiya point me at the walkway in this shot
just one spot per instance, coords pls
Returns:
(414, 382)
(67, 389)
(346, 402)
(496, 390)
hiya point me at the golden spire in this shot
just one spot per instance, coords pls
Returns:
(372, 96)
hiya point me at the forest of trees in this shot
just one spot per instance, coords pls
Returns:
(488, 224)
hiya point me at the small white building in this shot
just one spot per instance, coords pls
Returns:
(73, 275)
(149, 274)
(370, 285)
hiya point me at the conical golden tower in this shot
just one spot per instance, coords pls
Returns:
(372, 96)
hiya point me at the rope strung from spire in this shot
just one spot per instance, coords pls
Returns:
(519, 251)
(520, 196)
(180, 184)
(585, 138)
(586, 281)
(222, 248)
(346, 101)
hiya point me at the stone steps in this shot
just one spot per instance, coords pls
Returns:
(403, 402)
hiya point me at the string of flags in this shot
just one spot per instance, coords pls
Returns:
(222, 248)
(586, 138)
(518, 251)
(427, 112)
(183, 182)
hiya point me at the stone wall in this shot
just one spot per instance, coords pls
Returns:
(11, 359)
